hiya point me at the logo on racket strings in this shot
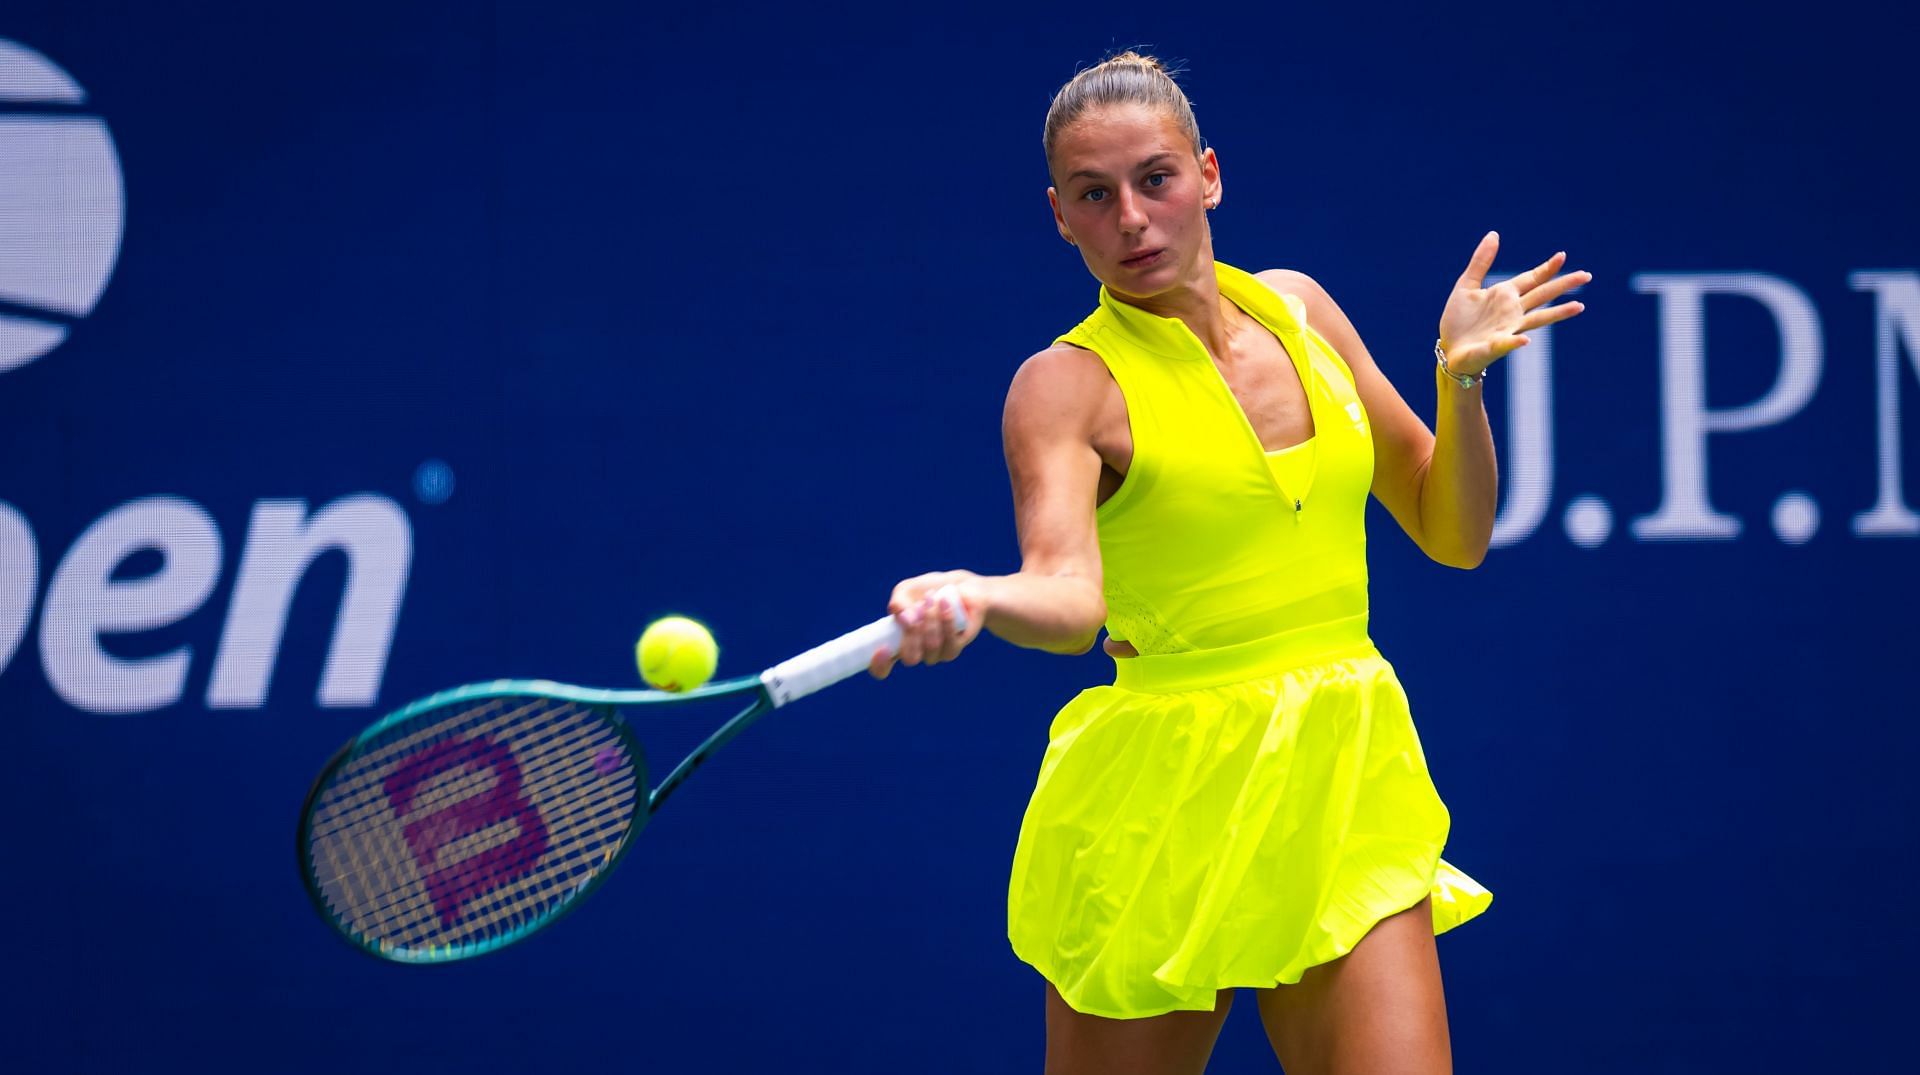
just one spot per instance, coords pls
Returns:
(454, 884)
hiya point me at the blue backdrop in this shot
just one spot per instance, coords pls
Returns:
(352, 351)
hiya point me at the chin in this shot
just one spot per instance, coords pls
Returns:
(1145, 285)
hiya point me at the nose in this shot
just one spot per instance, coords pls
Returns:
(1133, 212)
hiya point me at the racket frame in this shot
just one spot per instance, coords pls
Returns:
(780, 685)
(608, 704)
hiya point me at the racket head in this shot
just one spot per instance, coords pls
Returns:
(471, 819)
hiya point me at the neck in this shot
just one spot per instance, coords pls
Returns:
(1196, 302)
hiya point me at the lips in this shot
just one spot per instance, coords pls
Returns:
(1143, 259)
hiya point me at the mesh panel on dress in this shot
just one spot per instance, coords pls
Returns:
(1130, 619)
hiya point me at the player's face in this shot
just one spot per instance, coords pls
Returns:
(1129, 192)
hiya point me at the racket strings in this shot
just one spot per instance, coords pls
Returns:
(359, 793)
(461, 827)
(551, 881)
(409, 901)
(371, 799)
(468, 785)
(504, 832)
(558, 873)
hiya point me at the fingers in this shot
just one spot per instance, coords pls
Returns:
(1554, 288)
(929, 632)
(880, 664)
(909, 604)
(1538, 285)
(1481, 262)
(1532, 278)
(926, 631)
(1548, 315)
(951, 640)
(946, 639)
(930, 627)
(913, 633)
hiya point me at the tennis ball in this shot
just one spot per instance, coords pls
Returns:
(676, 654)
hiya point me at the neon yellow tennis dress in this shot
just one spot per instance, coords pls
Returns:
(1249, 797)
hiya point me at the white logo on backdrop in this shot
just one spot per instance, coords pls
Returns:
(62, 205)
(1688, 424)
(62, 209)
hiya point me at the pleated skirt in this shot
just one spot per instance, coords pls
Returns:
(1187, 835)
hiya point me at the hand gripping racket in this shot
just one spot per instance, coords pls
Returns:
(470, 819)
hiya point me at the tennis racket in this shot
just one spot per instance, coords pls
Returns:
(475, 817)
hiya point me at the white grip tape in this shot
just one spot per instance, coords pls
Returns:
(830, 662)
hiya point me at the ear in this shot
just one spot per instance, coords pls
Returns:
(1210, 176)
(1059, 222)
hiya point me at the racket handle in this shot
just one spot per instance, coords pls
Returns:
(850, 654)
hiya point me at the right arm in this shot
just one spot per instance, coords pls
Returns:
(1054, 601)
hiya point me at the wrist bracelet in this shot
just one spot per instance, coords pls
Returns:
(1464, 380)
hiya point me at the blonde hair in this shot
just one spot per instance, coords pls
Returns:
(1128, 78)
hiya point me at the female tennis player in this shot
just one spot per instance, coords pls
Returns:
(1247, 806)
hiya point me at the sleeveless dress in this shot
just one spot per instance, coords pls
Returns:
(1249, 797)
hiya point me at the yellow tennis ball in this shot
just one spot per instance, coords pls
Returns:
(676, 654)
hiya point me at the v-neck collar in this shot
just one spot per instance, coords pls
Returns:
(1169, 337)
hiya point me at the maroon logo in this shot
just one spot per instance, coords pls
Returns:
(456, 884)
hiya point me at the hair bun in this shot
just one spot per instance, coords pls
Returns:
(1130, 58)
(1127, 77)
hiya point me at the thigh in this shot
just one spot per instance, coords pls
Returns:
(1177, 1043)
(1378, 1010)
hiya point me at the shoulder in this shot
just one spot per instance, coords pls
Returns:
(1323, 314)
(1061, 388)
(1294, 282)
(1060, 376)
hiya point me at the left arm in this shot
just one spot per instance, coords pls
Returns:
(1443, 488)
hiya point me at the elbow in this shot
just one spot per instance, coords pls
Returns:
(1463, 552)
(1089, 626)
(1072, 646)
(1065, 619)
(1083, 646)
(1465, 558)
(1458, 546)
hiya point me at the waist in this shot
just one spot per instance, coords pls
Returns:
(1315, 643)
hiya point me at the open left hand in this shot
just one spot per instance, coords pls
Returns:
(1480, 323)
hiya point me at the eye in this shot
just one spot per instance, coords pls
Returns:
(1157, 179)
(1094, 195)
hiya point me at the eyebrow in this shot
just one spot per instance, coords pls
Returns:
(1088, 173)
